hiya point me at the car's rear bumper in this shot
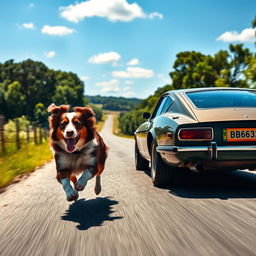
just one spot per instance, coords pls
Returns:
(211, 156)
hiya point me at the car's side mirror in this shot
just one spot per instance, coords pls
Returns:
(146, 115)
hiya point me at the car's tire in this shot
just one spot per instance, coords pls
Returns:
(140, 162)
(161, 173)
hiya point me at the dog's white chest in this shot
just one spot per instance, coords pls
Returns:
(81, 160)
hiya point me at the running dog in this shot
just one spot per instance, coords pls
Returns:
(78, 148)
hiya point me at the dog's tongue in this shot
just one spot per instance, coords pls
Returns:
(70, 144)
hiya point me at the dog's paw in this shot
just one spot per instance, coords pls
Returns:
(73, 196)
(80, 186)
(97, 189)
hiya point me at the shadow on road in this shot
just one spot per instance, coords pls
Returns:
(223, 185)
(236, 184)
(90, 213)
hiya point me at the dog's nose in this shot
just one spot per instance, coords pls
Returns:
(70, 133)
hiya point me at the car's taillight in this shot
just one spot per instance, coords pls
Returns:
(196, 133)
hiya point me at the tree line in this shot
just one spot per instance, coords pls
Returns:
(28, 87)
(114, 103)
(235, 67)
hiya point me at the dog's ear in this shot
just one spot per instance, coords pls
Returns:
(88, 115)
(56, 111)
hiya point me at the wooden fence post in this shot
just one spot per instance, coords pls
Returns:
(27, 133)
(40, 135)
(2, 134)
(35, 135)
(17, 134)
(45, 134)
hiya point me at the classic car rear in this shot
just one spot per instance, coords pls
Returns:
(201, 129)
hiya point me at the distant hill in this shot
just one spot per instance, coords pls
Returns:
(114, 103)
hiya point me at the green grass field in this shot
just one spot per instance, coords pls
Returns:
(23, 161)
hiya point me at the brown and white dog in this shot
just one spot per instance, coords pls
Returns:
(78, 148)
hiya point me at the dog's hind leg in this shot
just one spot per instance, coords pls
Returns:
(97, 188)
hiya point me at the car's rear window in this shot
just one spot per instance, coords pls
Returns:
(223, 99)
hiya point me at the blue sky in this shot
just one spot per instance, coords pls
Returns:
(121, 47)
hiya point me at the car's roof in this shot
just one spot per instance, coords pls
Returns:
(208, 89)
(214, 114)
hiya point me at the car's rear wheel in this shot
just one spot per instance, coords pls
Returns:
(161, 173)
(140, 163)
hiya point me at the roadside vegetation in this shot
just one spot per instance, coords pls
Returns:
(16, 161)
(116, 127)
(100, 123)
(23, 161)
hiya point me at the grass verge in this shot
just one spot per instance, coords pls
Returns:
(23, 161)
(100, 124)
(116, 129)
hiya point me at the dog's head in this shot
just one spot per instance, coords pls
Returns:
(71, 130)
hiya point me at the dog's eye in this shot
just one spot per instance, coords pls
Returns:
(78, 125)
(63, 125)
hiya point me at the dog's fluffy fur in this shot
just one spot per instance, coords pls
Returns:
(78, 148)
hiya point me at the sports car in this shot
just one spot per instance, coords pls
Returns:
(201, 129)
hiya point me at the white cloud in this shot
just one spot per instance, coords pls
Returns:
(113, 10)
(109, 86)
(84, 78)
(102, 58)
(132, 62)
(28, 25)
(134, 73)
(113, 87)
(57, 30)
(50, 54)
(246, 35)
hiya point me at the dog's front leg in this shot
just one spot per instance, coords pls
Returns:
(81, 183)
(71, 194)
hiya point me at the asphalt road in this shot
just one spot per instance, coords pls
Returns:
(207, 214)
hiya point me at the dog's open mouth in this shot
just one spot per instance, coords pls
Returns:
(71, 143)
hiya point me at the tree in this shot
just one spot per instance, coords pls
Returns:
(239, 62)
(194, 69)
(15, 100)
(28, 86)
(41, 114)
(250, 72)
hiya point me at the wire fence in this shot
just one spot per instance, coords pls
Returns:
(18, 136)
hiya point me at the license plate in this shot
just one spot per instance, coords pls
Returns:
(239, 134)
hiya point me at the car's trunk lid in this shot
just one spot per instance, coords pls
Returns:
(225, 114)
